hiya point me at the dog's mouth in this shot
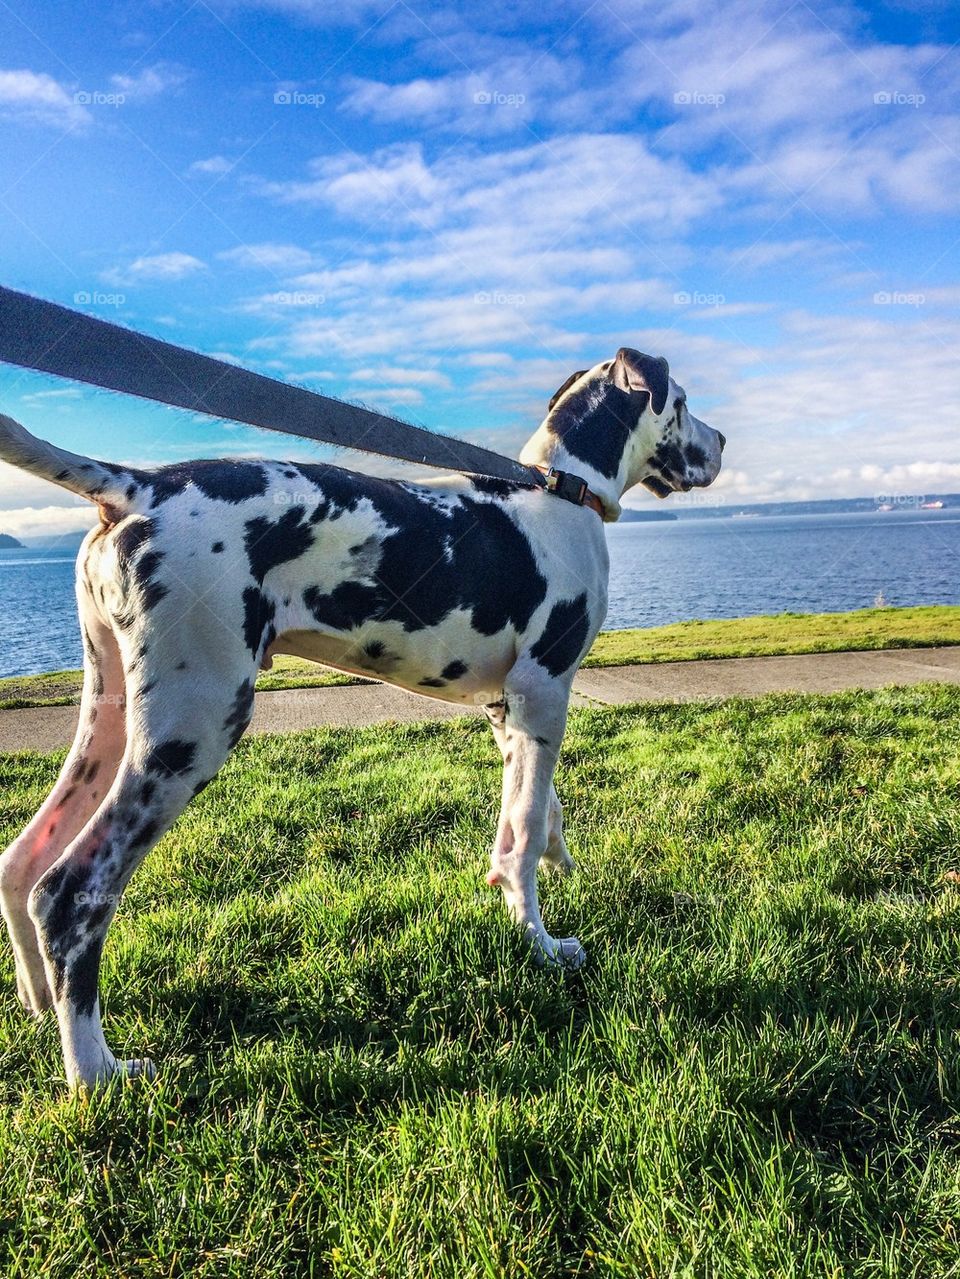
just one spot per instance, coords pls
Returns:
(661, 486)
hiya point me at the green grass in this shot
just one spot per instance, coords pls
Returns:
(756, 1074)
(871, 628)
(868, 628)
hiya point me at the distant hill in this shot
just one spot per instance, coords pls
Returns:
(67, 542)
(8, 543)
(828, 506)
(631, 516)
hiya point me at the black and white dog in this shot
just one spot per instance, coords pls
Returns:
(470, 590)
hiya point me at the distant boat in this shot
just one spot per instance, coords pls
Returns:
(745, 515)
(885, 506)
(931, 506)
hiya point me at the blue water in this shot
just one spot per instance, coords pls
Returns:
(663, 572)
(708, 568)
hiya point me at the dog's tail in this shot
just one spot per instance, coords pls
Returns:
(101, 482)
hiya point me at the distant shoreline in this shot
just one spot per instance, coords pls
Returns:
(683, 509)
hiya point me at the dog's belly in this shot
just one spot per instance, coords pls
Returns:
(450, 662)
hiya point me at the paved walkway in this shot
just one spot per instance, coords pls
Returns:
(51, 727)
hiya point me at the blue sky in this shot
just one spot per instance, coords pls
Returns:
(444, 210)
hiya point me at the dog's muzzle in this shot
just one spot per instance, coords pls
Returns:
(697, 465)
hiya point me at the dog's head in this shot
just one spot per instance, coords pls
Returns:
(627, 420)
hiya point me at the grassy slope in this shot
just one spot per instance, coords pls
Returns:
(756, 1074)
(870, 628)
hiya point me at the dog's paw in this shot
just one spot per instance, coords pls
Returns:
(564, 952)
(137, 1068)
(112, 1074)
(558, 863)
(570, 953)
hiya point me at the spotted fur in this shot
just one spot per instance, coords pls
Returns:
(471, 590)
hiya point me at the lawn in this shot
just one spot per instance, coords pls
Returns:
(757, 1073)
(870, 628)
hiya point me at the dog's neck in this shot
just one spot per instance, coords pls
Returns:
(544, 448)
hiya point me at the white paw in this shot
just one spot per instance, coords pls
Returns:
(566, 952)
(138, 1068)
(562, 865)
(570, 953)
(113, 1072)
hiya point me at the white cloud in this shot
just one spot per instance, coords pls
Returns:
(36, 96)
(213, 166)
(158, 266)
(388, 395)
(401, 376)
(149, 82)
(32, 521)
(267, 256)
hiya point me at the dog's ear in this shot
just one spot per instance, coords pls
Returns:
(566, 386)
(634, 371)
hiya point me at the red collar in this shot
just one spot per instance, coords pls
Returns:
(569, 486)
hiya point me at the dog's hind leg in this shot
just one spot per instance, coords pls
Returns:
(556, 855)
(529, 725)
(84, 779)
(179, 735)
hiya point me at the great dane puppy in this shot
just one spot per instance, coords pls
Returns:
(470, 590)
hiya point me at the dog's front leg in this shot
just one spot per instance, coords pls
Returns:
(529, 725)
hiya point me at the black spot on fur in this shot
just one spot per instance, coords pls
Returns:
(217, 548)
(668, 459)
(258, 614)
(564, 635)
(374, 649)
(273, 542)
(223, 481)
(596, 433)
(454, 670)
(495, 488)
(434, 559)
(173, 757)
(695, 455)
(145, 835)
(239, 717)
(431, 682)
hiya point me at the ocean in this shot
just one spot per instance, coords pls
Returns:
(659, 573)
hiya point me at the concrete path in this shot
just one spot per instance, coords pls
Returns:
(50, 727)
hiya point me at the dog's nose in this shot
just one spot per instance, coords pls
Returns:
(722, 438)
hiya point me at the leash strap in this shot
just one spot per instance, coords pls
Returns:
(49, 338)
